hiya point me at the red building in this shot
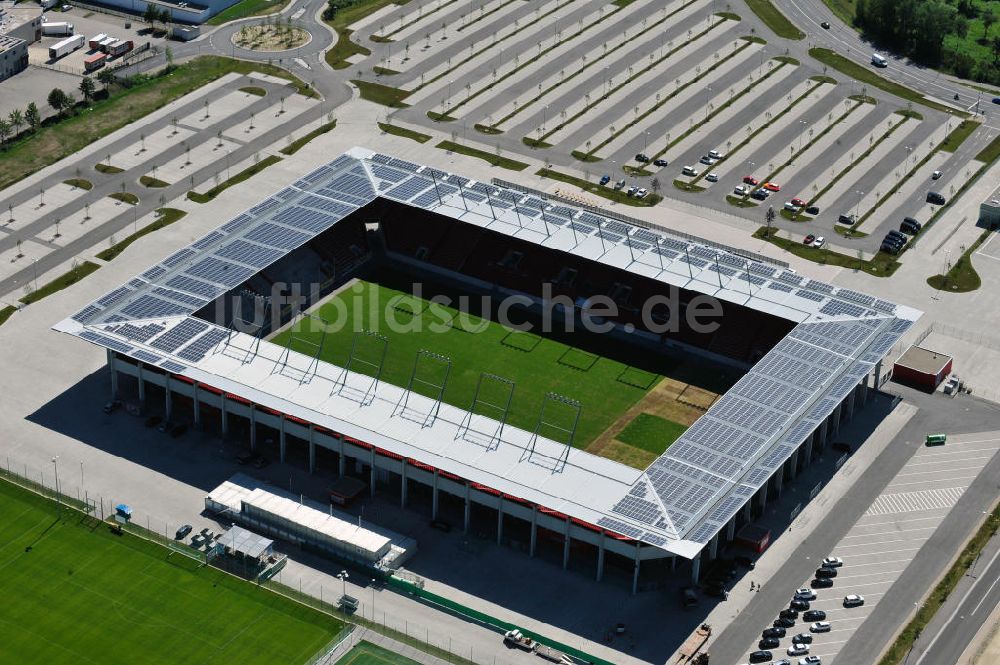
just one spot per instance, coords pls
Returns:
(921, 368)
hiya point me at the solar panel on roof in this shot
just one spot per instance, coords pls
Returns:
(179, 256)
(137, 333)
(109, 299)
(153, 273)
(249, 253)
(837, 307)
(196, 286)
(146, 357)
(646, 236)
(208, 240)
(150, 307)
(197, 349)
(235, 223)
(277, 236)
(105, 341)
(264, 206)
(219, 271)
(171, 366)
(179, 335)
(780, 287)
(185, 298)
(809, 295)
(409, 188)
(86, 313)
(619, 527)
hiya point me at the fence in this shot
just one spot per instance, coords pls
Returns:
(753, 256)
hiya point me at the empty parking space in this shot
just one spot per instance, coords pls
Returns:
(884, 541)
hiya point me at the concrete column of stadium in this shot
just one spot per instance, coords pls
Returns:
(806, 448)
(253, 426)
(730, 533)
(863, 390)
(600, 557)
(402, 484)
(778, 477)
(635, 570)
(142, 383)
(695, 568)
(500, 522)
(281, 438)
(566, 542)
(824, 428)
(168, 404)
(835, 419)
(371, 475)
(196, 398)
(312, 449)
(850, 403)
(434, 496)
(114, 374)
(793, 464)
(224, 411)
(878, 375)
(763, 496)
(713, 547)
(468, 506)
(342, 461)
(534, 531)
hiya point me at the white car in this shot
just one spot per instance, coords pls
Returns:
(740, 190)
(819, 241)
(641, 193)
(810, 660)
(798, 649)
(708, 161)
(820, 627)
(935, 175)
(833, 562)
(805, 593)
(715, 154)
(854, 600)
(712, 177)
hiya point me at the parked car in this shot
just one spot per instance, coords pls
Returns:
(797, 649)
(620, 183)
(800, 605)
(773, 632)
(798, 202)
(814, 615)
(750, 180)
(810, 660)
(768, 643)
(996, 100)
(854, 600)
(845, 219)
(772, 186)
(182, 532)
(761, 656)
(740, 190)
(760, 194)
(712, 177)
(605, 179)
(935, 198)
(821, 583)
(783, 622)
(715, 154)
(805, 594)
(825, 25)
(642, 158)
(826, 572)
(910, 225)
(641, 193)
(689, 171)
(808, 240)
(819, 242)
(833, 562)
(632, 190)
(820, 627)
(812, 210)
(791, 207)
(936, 175)
(789, 614)
(803, 638)
(659, 162)
(708, 161)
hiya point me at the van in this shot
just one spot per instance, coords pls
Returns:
(879, 61)
(935, 198)
(896, 236)
(689, 170)
(845, 219)
(910, 225)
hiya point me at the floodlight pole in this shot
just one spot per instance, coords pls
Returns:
(461, 195)
(717, 270)
(746, 268)
(489, 202)
(688, 262)
(436, 191)
(55, 467)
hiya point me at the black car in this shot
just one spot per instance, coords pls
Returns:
(768, 643)
(814, 615)
(642, 158)
(183, 531)
(826, 572)
(659, 162)
(761, 656)
(890, 248)
(845, 219)
(825, 25)
(799, 604)
(789, 614)
(759, 194)
(821, 583)
(773, 632)
(803, 638)
(812, 210)
(935, 198)
(783, 622)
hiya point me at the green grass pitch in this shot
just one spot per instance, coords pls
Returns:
(366, 653)
(651, 433)
(536, 364)
(75, 593)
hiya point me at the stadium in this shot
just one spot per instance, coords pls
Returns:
(466, 412)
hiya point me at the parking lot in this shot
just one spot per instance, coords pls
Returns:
(886, 539)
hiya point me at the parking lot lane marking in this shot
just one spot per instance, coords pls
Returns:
(881, 572)
(905, 549)
(893, 531)
(902, 520)
(986, 457)
(881, 542)
(937, 480)
(978, 467)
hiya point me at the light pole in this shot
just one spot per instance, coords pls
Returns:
(857, 208)
(343, 578)
(34, 268)
(81, 474)
(55, 467)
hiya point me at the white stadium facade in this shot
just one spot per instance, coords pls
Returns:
(786, 408)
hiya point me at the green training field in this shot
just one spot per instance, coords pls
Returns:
(366, 653)
(606, 388)
(75, 593)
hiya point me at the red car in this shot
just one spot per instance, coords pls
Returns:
(798, 202)
(774, 187)
(809, 239)
(750, 180)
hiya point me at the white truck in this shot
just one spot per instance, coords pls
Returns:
(518, 639)
(57, 29)
(879, 61)
(68, 45)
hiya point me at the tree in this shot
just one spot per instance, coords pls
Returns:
(151, 15)
(988, 18)
(32, 116)
(106, 77)
(165, 18)
(655, 185)
(87, 88)
(4, 130)
(769, 217)
(16, 121)
(57, 100)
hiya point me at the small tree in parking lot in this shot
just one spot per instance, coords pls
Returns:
(87, 88)
(151, 15)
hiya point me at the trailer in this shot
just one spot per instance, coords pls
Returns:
(57, 29)
(548, 653)
(106, 42)
(95, 61)
(692, 651)
(120, 47)
(95, 41)
(68, 45)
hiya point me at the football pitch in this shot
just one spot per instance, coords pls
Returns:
(537, 365)
(366, 653)
(75, 593)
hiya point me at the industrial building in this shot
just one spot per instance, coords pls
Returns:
(922, 368)
(19, 27)
(192, 13)
(989, 210)
(824, 350)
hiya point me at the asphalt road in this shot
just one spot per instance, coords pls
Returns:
(936, 414)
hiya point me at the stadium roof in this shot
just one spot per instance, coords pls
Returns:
(685, 496)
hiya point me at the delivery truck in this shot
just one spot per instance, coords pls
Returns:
(57, 29)
(68, 45)
(120, 47)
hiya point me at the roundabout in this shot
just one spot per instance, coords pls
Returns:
(270, 38)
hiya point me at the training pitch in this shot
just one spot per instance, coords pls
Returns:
(537, 365)
(73, 592)
(366, 653)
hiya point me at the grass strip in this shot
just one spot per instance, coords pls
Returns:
(774, 19)
(615, 195)
(150, 181)
(246, 8)
(386, 95)
(597, 60)
(652, 109)
(254, 90)
(75, 274)
(167, 216)
(57, 139)
(651, 433)
(645, 69)
(865, 75)
(961, 277)
(338, 56)
(900, 649)
(6, 312)
(494, 160)
(404, 132)
(740, 201)
(299, 143)
(79, 183)
(881, 265)
(688, 186)
(235, 180)
(958, 135)
(990, 152)
(107, 168)
(125, 197)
